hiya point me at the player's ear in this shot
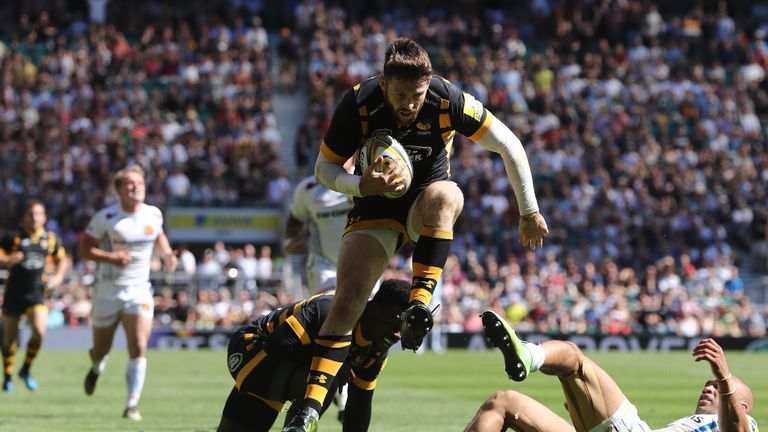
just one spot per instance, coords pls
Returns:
(383, 83)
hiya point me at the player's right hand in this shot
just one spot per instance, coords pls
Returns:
(121, 258)
(713, 354)
(379, 178)
(15, 258)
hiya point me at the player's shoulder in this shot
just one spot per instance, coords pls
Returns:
(321, 303)
(107, 213)
(307, 183)
(444, 89)
(366, 89)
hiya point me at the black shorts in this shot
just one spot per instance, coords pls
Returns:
(15, 305)
(373, 212)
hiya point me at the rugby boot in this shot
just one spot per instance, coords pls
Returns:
(517, 358)
(416, 321)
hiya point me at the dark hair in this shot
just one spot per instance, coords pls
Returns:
(407, 60)
(393, 291)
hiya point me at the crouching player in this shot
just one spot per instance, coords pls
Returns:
(269, 359)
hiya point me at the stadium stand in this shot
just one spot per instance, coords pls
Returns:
(644, 123)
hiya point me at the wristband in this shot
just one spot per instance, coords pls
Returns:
(348, 184)
(729, 393)
(725, 378)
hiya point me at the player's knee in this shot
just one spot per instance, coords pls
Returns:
(444, 196)
(575, 351)
(502, 401)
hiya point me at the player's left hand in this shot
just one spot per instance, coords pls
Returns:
(54, 282)
(533, 228)
(713, 354)
(170, 261)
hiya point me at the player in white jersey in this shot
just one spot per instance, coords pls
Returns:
(593, 399)
(324, 213)
(122, 239)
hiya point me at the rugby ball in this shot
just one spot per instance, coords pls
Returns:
(393, 153)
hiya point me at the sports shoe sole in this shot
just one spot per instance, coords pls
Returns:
(500, 335)
(417, 322)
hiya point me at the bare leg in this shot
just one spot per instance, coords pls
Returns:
(137, 331)
(362, 260)
(102, 342)
(592, 395)
(520, 412)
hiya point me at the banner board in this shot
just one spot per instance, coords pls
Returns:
(233, 225)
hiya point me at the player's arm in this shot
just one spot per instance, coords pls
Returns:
(61, 261)
(164, 250)
(9, 256)
(90, 249)
(294, 239)
(299, 328)
(8, 260)
(294, 236)
(335, 163)
(732, 410)
(495, 136)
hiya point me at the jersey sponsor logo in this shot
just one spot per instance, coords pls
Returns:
(425, 126)
(234, 361)
(335, 213)
(434, 103)
(33, 261)
(418, 153)
(472, 107)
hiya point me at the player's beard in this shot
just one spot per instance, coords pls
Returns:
(404, 120)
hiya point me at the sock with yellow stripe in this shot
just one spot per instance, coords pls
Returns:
(8, 358)
(33, 346)
(328, 356)
(429, 258)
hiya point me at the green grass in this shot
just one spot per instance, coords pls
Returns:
(185, 390)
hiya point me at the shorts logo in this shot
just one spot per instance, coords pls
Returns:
(234, 361)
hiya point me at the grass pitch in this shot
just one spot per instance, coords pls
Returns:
(185, 390)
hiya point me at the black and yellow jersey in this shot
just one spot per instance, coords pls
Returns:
(267, 354)
(363, 113)
(25, 284)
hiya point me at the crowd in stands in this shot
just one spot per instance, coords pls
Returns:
(190, 100)
(643, 122)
